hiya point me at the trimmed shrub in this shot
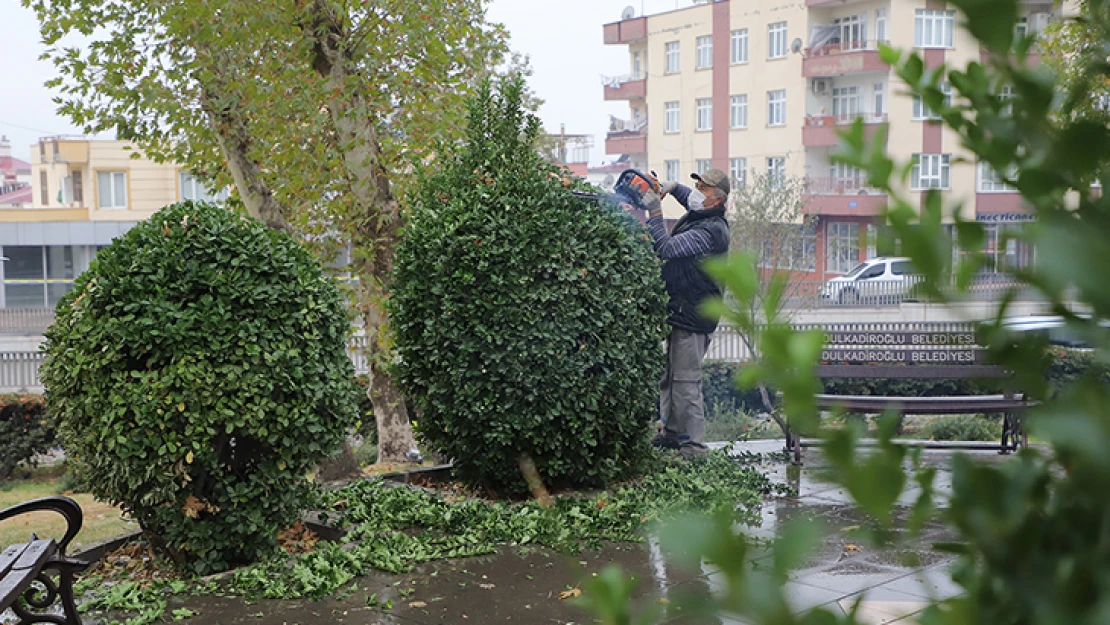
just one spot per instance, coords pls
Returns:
(528, 321)
(965, 428)
(198, 370)
(26, 430)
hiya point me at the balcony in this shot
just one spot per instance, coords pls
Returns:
(626, 136)
(843, 197)
(626, 31)
(831, 3)
(1032, 58)
(820, 131)
(625, 87)
(839, 59)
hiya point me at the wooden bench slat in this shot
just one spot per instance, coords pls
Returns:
(923, 405)
(37, 552)
(10, 555)
(25, 569)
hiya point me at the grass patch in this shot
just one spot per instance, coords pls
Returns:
(101, 520)
(725, 421)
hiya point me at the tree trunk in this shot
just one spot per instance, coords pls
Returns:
(375, 232)
(235, 141)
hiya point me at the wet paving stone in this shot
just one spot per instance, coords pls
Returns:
(516, 585)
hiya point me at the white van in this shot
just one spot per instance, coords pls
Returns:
(878, 280)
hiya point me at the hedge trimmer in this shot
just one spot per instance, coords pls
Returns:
(629, 189)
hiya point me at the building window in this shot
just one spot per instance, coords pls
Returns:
(930, 171)
(1021, 28)
(803, 255)
(671, 111)
(704, 50)
(673, 65)
(111, 189)
(880, 25)
(933, 28)
(842, 246)
(193, 189)
(853, 32)
(703, 165)
(672, 170)
(922, 112)
(776, 40)
(738, 111)
(1006, 96)
(738, 171)
(776, 108)
(44, 191)
(740, 46)
(637, 66)
(845, 178)
(78, 187)
(37, 276)
(845, 103)
(879, 91)
(991, 182)
(704, 110)
(776, 170)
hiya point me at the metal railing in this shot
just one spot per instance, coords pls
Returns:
(30, 321)
(846, 185)
(849, 45)
(845, 119)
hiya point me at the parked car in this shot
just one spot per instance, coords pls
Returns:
(878, 280)
(1052, 327)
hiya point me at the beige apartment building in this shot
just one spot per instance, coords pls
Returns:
(84, 193)
(765, 84)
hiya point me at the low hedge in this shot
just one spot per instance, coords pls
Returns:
(26, 430)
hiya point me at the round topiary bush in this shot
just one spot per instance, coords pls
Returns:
(198, 370)
(528, 321)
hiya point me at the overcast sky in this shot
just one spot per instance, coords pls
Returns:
(562, 37)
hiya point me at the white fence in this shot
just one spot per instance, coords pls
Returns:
(19, 371)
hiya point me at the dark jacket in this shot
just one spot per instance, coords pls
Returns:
(688, 286)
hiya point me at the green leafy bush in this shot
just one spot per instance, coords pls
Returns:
(25, 431)
(198, 370)
(965, 428)
(528, 321)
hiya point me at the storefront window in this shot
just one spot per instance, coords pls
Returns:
(36, 276)
(842, 245)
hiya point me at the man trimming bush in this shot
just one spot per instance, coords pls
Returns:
(701, 233)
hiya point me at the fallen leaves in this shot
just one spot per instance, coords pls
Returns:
(571, 594)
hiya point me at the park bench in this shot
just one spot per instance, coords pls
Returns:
(869, 351)
(25, 567)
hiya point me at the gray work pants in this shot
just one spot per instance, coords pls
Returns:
(681, 407)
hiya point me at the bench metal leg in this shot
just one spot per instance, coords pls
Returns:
(1013, 434)
(45, 592)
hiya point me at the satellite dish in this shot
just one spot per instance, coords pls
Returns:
(608, 182)
(628, 13)
(796, 46)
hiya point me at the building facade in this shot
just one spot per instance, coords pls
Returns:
(764, 85)
(83, 194)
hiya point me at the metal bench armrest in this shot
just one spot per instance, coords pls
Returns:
(64, 506)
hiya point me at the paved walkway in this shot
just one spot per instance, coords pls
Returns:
(524, 586)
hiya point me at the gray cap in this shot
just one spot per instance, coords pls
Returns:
(714, 178)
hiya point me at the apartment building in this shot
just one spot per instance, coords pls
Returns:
(764, 85)
(83, 194)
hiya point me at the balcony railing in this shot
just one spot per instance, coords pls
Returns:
(842, 47)
(848, 185)
(845, 119)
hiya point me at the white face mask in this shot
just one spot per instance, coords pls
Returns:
(696, 200)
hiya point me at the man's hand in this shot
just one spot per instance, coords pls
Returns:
(651, 202)
(668, 186)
